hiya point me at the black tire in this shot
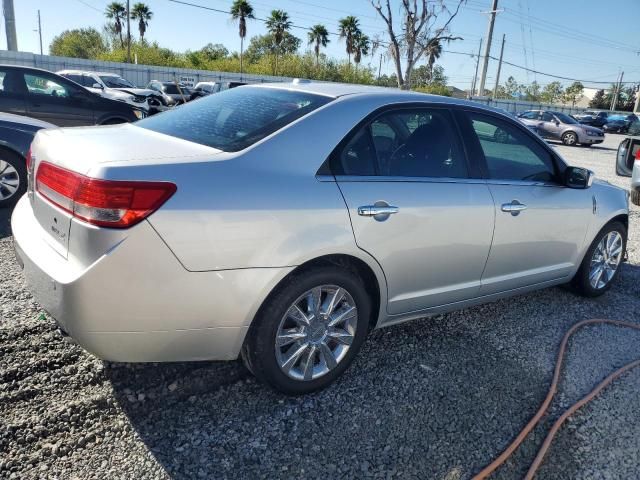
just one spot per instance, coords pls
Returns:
(258, 351)
(570, 139)
(635, 197)
(8, 199)
(581, 282)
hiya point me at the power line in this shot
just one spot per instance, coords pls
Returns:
(89, 5)
(453, 52)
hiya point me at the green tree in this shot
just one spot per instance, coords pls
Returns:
(361, 46)
(348, 28)
(116, 12)
(573, 93)
(598, 100)
(241, 10)
(318, 36)
(265, 45)
(424, 76)
(511, 88)
(78, 43)
(552, 93)
(278, 24)
(433, 52)
(533, 92)
(142, 13)
(209, 53)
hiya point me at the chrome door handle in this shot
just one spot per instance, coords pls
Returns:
(514, 208)
(373, 210)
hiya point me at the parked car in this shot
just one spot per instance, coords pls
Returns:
(628, 160)
(46, 96)
(202, 89)
(93, 82)
(619, 123)
(16, 135)
(283, 222)
(595, 118)
(175, 93)
(559, 126)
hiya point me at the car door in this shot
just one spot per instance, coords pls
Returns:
(12, 92)
(55, 100)
(550, 124)
(540, 225)
(416, 207)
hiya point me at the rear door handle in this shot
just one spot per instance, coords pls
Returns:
(514, 208)
(374, 210)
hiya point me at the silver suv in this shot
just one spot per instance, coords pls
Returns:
(560, 126)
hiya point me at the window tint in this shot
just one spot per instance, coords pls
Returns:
(547, 117)
(234, 119)
(405, 143)
(511, 153)
(41, 85)
(530, 115)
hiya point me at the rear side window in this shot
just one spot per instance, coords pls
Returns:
(510, 153)
(405, 143)
(234, 119)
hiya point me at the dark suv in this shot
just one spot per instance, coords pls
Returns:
(46, 96)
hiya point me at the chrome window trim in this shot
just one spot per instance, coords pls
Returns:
(398, 179)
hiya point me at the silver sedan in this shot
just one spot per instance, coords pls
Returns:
(560, 126)
(282, 223)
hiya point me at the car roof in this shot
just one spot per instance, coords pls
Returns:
(92, 72)
(23, 120)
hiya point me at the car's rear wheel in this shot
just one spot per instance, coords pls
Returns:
(13, 178)
(635, 197)
(601, 263)
(569, 138)
(308, 331)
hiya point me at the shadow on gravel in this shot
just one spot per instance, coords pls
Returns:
(5, 225)
(429, 399)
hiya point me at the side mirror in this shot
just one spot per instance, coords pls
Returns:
(577, 177)
(97, 85)
(557, 123)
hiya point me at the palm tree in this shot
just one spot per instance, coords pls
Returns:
(278, 24)
(116, 11)
(143, 14)
(361, 45)
(320, 37)
(240, 11)
(433, 52)
(348, 27)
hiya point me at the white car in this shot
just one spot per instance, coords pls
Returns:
(113, 86)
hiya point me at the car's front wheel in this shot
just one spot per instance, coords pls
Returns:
(309, 330)
(570, 138)
(601, 263)
(13, 178)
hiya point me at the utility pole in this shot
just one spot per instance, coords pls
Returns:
(380, 68)
(614, 101)
(495, 89)
(10, 25)
(487, 47)
(128, 34)
(40, 31)
(636, 107)
(475, 75)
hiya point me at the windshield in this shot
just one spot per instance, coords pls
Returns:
(564, 118)
(172, 89)
(236, 118)
(619, 118)
(116, 82)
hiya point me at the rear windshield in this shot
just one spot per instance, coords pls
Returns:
(236, 118)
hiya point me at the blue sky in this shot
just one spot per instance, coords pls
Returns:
(587, 39)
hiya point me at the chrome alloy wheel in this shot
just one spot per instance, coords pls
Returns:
(9, 180)
(605, 260)
(316, 332)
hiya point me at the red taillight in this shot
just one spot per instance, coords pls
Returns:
(638, 155)
(107, 203)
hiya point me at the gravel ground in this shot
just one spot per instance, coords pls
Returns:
(432, 399)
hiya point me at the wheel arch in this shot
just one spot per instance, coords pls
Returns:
(374, 282)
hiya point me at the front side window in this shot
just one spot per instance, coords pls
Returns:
(234, 119)
(41, 85)
(565, 118)
(510, 153)
(405, 143)
(547, 117)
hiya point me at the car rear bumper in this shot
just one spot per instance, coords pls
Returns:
(137, 303)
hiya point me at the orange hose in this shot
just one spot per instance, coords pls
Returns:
(493, 466)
